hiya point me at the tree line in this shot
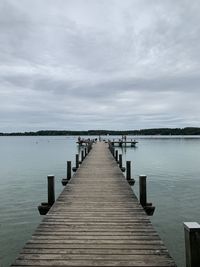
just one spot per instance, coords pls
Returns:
(153, 131)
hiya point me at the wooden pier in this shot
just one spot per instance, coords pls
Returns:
(96, 221)
(121, 143)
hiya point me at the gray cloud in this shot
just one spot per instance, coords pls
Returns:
(99, 64)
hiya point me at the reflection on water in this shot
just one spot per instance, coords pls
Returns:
(171, 164)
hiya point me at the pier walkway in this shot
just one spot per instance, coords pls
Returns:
(96, 221)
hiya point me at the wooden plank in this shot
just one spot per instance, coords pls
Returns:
(97, 246)
(96, 221)
(94, 251)
(143, 262)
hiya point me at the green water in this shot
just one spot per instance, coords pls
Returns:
(172, 166)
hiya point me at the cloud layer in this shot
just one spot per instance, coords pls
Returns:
(98, 64)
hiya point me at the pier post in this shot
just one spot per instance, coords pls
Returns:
(192, 244)
(69, 174)
(116, 155)
(130, 180)
(120, 161)
(77, 161)
(85, 152)
(143, 190)
(51, 189)
(45, 206)
(149, 209)
(74, 169)
(69, 170)
(128, 170)
(82, 156)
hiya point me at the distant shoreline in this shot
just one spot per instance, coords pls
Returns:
(154, 131)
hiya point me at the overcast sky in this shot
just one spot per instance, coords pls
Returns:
(99, 64)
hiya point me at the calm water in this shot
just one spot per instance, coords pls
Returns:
(172, 167)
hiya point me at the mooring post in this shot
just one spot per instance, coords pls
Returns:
(192, 244)
(69, 174)
(143, 190)
(128, 170)
(69, 170)
(74, 169)
(130, 180)
(120, 161)
(116, 155)
(82, 156)
(77, 161)
(51, 189)
(45, 206)
(149, 209)
(85, 152)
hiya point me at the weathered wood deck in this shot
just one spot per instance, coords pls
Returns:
(96, 221)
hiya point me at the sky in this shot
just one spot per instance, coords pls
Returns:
(99, 64)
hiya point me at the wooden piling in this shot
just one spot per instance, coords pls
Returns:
(143, 190)
(116, 155)
(120, 161)
(69, 174)
(45, 206)
(192, 244)
(128, 170)
(74, 169)
(69, 170)
(77, 161)
(143, 196)
(51, 189)
(82, 156)
(130, 180)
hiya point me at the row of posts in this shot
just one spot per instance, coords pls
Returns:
(149, 209)
(45, 206)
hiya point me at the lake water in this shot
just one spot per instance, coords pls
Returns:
(171, 164)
